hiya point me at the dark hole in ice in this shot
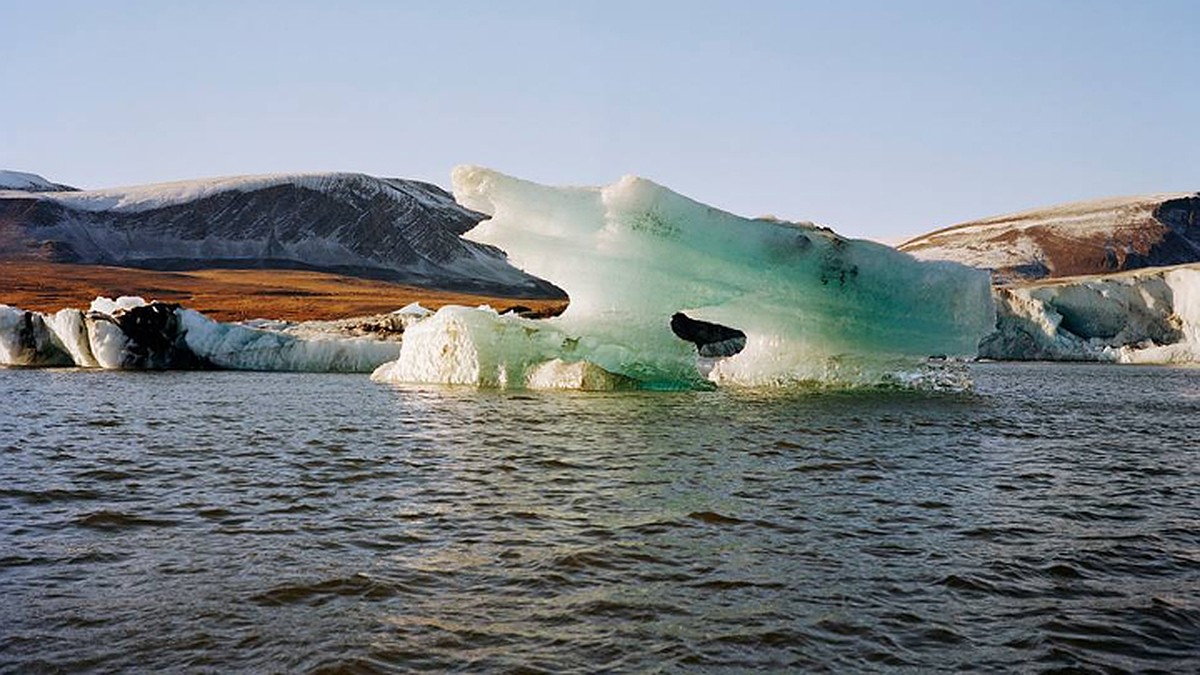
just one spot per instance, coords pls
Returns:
(711, 339)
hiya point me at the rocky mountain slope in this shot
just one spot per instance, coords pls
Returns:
(382, 228)
(1084, 238)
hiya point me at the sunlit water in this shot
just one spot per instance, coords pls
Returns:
(288, 523)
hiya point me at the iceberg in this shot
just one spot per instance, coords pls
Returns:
(131, 334)
(788, 302)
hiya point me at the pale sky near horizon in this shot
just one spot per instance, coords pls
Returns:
(880, 119)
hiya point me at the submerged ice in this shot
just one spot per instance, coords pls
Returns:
(799, 303)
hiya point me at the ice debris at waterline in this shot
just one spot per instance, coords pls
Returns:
(809, 305)
(130, 333)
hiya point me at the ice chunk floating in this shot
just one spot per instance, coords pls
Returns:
(812, 306)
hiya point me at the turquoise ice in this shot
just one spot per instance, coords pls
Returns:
(815, 307)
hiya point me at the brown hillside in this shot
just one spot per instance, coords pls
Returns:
(230, 294)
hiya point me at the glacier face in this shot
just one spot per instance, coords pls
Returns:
(129, 333)
(1146, 316)
(814, 307)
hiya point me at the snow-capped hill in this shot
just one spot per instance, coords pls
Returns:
(386, 228)
(160, 195)
(29, 182)
(1082, 238)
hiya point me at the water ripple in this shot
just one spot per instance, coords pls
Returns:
(324, 524)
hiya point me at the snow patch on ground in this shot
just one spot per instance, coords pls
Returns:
(983, 254)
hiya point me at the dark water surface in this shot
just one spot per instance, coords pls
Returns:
(288, 523)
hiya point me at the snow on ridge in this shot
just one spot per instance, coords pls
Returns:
(1087, 206)
(158, 195)
(1092, 214)
(27, 182)
(1017, 252)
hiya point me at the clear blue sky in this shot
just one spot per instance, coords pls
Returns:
(881, 119)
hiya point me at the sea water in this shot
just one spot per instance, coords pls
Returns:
(252, 522)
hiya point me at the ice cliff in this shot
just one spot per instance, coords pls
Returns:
(812, 306)
(1145, 316)
(129, 333)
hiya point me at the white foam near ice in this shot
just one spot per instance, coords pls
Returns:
(815, 307)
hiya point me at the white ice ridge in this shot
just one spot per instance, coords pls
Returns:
(165, 336)
(815, 307)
